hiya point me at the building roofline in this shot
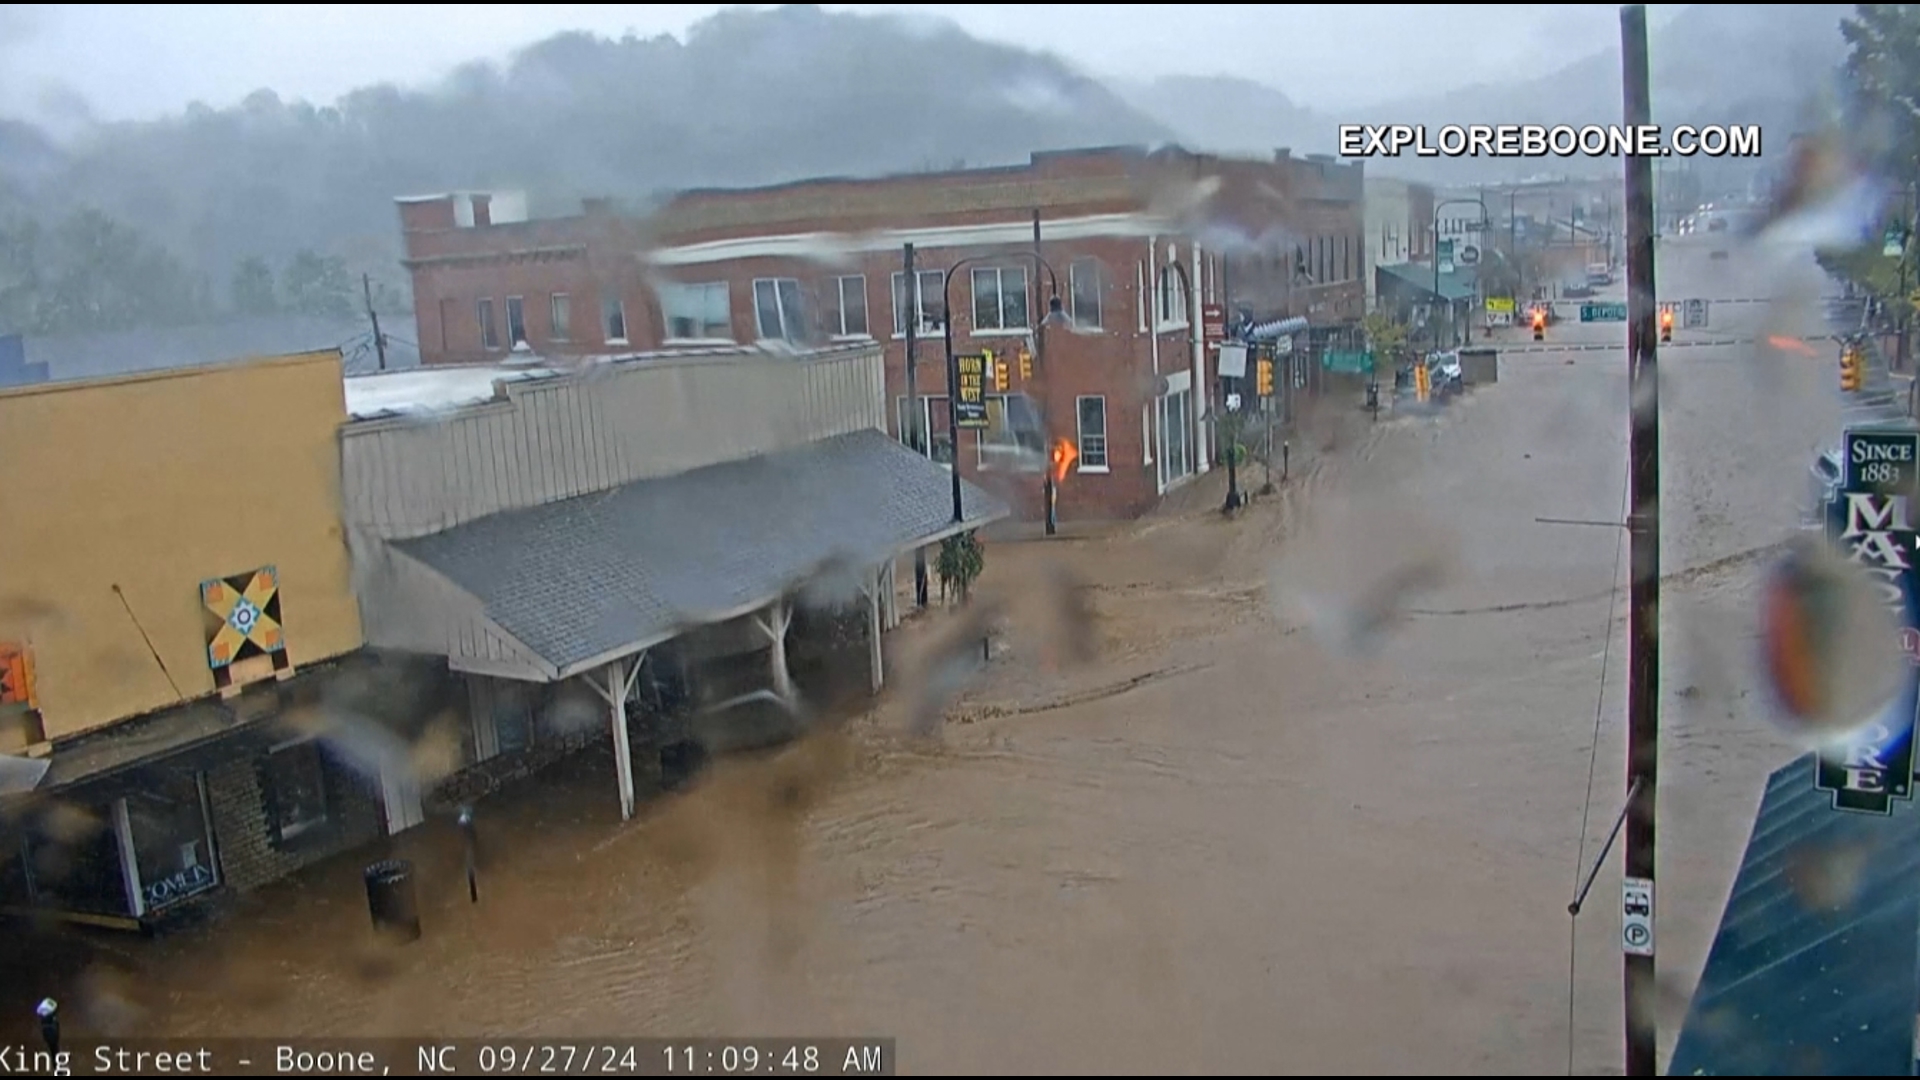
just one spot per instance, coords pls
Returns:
(58, 386)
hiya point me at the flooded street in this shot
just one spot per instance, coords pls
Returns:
(1221, 847)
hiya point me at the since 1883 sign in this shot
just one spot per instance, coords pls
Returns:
(1871, 519)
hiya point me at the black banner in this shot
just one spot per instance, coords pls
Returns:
(1870, 519)
(970, 408)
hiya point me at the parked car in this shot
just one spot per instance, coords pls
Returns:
(1576, 290)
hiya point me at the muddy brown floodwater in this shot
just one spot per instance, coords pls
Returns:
(1221, 846)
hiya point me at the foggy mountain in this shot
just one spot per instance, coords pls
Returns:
(757, 97)
(1711, 64)
(751, 97)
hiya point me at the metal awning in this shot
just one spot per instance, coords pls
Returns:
(1813, 969)
(1277, 328)
(585, 581)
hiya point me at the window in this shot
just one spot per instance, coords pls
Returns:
(1084, 289)
(927, 303)
(489, 330)
(1092, 417)
(1173, 298)
(295, 779)
(1013, 438)
(697, 312)
(777, 309)
(449, 311)
(850, 306)
(933, 420)
(1000, 299)
(613, 317)
(1140, 285)
(560, 309)
(516, 321)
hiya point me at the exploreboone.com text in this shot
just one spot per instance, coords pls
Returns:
(1542, 140)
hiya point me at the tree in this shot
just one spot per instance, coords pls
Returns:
(1883, 89)
(313, 284)
(1883, 82)
(20, 285)
(251, 292)
(101, 275)
(959, 565)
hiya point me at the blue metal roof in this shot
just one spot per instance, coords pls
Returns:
(1815, 970)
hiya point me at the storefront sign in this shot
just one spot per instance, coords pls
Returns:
(970, 407)
(1870, 518)
(181, 884)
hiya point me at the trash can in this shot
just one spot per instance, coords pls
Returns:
(390, 899)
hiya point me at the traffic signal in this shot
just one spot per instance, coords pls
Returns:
(1026, 366)
(1539, 325)
(1263, 377)
(1422, 382)
(997, 372)
(1850, 364)
(1666, 325)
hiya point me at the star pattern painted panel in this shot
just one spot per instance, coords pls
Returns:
(246, 641)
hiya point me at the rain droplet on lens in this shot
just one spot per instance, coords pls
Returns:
(1830, 647)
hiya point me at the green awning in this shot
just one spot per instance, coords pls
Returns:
(1461, 284)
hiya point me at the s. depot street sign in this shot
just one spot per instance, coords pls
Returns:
(1871, 519)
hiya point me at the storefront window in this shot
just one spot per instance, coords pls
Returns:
(172, 849)
(296, 783)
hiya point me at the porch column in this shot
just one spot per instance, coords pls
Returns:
(890, 589)
(619, 677)
(875, 661)
(1202, 392)
(774, 624)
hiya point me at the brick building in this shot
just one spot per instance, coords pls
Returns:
(1131, 243)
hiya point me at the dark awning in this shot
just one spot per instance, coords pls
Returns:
(1813, 970)
(586, 580)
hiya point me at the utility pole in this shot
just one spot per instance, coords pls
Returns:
(379, 340)
(1643, 523)
(916, 437)
(1048, 490)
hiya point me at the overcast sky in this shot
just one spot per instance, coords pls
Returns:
(136, 61)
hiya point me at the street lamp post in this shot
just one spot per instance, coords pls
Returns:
(1055, 316)
(1485, 221)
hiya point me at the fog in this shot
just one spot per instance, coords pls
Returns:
(220, 151)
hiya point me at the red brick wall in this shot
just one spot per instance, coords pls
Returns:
(454, 268)
(1262, 210)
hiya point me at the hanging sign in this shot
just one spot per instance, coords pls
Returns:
(1870, 518)
(970, 407)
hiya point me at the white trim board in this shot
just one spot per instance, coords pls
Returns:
(824, 246)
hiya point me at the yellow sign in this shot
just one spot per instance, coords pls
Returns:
(970, 407)
(1500, 305)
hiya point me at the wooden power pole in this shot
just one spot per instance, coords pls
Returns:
(1643, 522)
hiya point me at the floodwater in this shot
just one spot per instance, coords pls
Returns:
(1229, 843)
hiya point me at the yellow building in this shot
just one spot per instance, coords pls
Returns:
(174, 575)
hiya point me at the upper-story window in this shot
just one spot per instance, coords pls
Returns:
(700, 312)
(849, 317)
(1173, 297)
(777, 309)
(613, 319)
(560, 312)
(927, 301)
(489, 330)
(1084, 289)
(1000, 298)
(516, 321)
